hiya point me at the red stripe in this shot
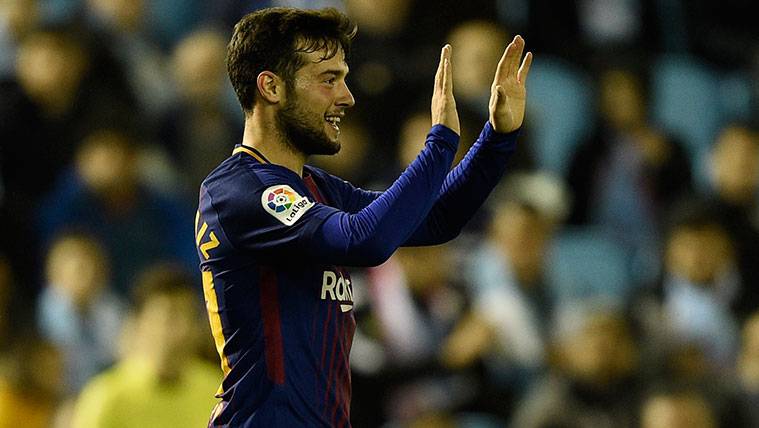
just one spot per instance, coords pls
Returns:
(275, 362)
(331, 364)
(324, 335)
(309, 181)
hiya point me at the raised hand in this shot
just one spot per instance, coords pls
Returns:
(443, 104)
(507, 93)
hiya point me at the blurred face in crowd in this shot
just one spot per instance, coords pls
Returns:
(699, 255)
(21, 16)
(107, 164)
(677, 411)
(413, 135)
(168, 326)
(622, 103)
(426, 267)
(50, 70)
(478, 45)
(522, 235)
(735, 165)
(379, 17)
(314, 103)
(600, 352)
(78, 268)
(126, 15)
(198, 65)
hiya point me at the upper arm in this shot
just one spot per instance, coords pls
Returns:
(267, 221)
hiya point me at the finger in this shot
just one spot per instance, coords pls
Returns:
(524, 68)
(448, 77)
(500, 71)
(439, 72)
(514, 58)
(505, 65)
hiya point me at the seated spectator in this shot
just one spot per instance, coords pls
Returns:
(160, 380)
(415, 299)
(700, 284)
(593, 382)
(734, 174)
(105, 197)
(512, 303)
(77, 310)
(479, 45)
(628, 174)
(202, 127)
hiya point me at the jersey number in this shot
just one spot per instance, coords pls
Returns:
(212, 243)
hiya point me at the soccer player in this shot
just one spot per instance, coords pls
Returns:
(275, 236)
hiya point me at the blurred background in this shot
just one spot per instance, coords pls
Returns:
(612, 280)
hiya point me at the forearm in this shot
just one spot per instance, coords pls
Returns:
(371, 235)
(466, 188)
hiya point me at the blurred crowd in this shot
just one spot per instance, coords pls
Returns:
(611, 280)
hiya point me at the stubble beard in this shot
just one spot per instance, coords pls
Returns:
(302, 135)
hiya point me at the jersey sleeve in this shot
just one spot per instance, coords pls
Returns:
(464, 190)
(466, 187)
(273, 220)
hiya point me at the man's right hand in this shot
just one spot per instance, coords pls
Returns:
(443, 104)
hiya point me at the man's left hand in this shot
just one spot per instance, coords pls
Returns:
(507, 93)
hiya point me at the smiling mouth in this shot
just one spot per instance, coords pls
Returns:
(334, 121)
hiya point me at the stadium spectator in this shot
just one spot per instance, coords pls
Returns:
(78, 311)
(160, 380)
(105, 197)
(203, 125)
(628, 174)
(31, 383)
(594, 382)
(734, 173)
(508, 325)
(690, 308)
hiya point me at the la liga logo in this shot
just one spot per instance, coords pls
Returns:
(280, 199)
(284, 203)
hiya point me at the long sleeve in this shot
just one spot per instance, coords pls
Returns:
(266, 215)
(466, 188)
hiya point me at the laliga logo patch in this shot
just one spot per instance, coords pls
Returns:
(285, 204)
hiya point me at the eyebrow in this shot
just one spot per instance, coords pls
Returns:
(335, 71)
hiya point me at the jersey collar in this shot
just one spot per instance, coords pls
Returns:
(239, 148)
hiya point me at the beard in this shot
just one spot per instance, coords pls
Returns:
(302, 134)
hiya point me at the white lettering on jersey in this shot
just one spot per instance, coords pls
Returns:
(285, 204)
(338, 289)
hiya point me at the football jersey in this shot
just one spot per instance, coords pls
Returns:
(274, 247)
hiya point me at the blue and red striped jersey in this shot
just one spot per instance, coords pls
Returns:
(273, 247)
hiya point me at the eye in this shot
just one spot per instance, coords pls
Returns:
(330, 81)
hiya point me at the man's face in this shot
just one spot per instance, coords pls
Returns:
(315, 103)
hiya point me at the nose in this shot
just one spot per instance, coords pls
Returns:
(345, 98)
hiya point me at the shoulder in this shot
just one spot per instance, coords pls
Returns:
(239, 177)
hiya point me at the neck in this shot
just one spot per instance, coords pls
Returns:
(261, 132)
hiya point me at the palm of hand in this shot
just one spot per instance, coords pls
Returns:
(508, 93)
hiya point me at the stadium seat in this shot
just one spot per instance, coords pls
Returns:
(585, 263)
(560, 111)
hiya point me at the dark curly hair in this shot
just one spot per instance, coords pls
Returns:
(274, 38)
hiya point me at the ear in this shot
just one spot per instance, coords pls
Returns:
(270, 86)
